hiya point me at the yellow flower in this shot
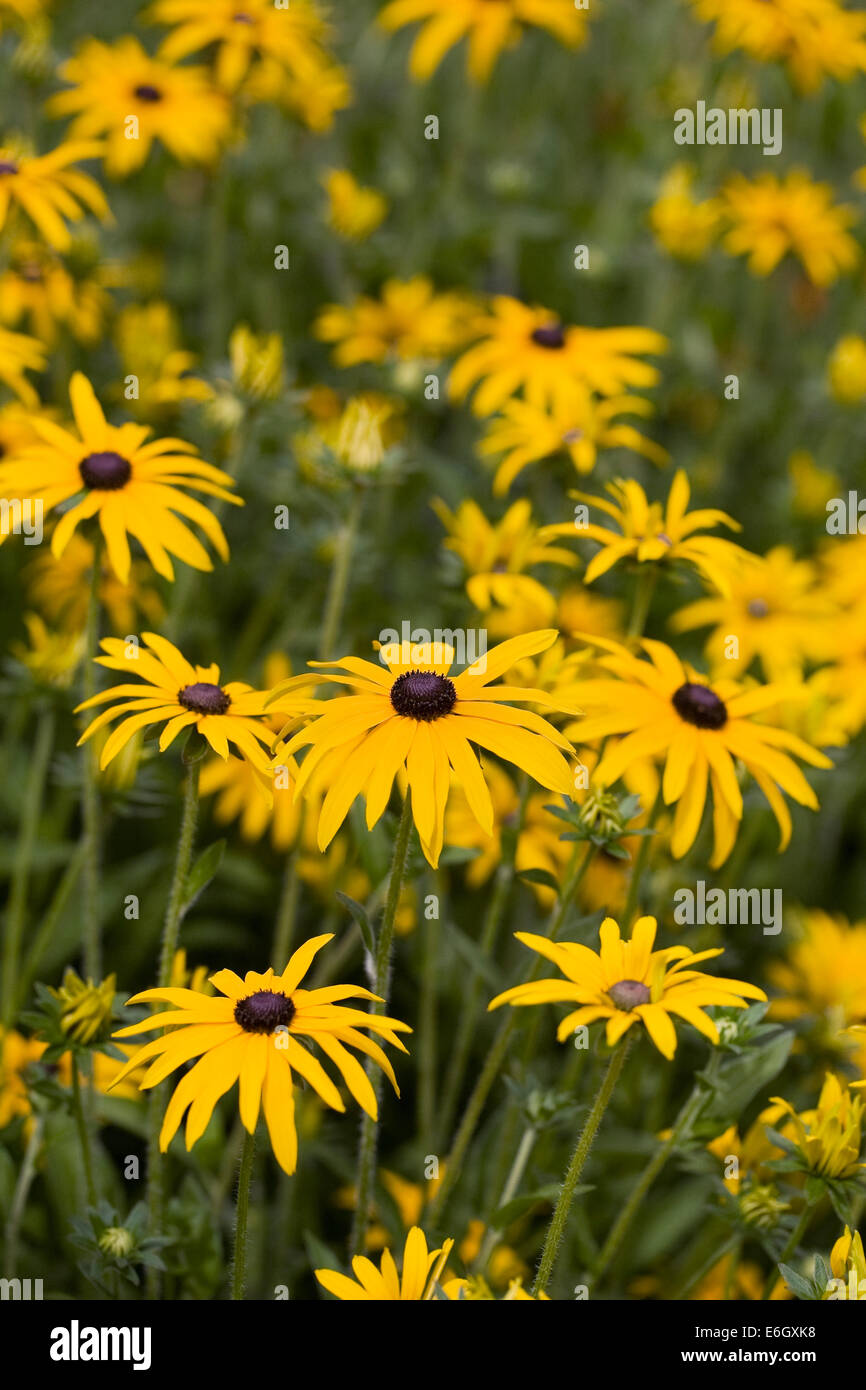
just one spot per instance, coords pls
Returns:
(174, 693)
(409, 321)
(257, 362)
(627, 982)
(38, 287)
(59, 586)
(578, 426)
(813, 37)
(359, 443)
(119, 91)
(413, 715)
(653, 534)
(775, 610)
(842, 685)
(149, 342)
(20, 354)
(16, 1055)
(48, 191)
(86, 1008)
(254, 1031)
(847, 369)
(830, 1136)
(354, 212)
(583, 610)
(684, 227)
(491, 26)
(421, 1271)
(528, 349)
(497, 555)
(848, 1263)
(812, 486)
(751, 1151)
(773, 217)
(824, 972)
(663, 706)
(51, 657)
(135, 488)
(477, 1290)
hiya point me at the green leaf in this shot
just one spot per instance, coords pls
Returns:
(541, 876)
(800, 1287)
(203, 870)
(742, 1076)
(359, 912)
(519, 1206)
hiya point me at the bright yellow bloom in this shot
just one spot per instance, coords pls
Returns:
(497, 555)
(120, 92)
(830, 1136)
(653, 534)
(257, 362)
(59, 586)
(812, 486)
(491, 26)
(815, 38)
(86, 1008)
(751, 1151)
(37, 287)
(627, 982)
(527, 349)
(135, 488)
(847, 369)
(577, 426)
(149, 341)
(254, 1032)
(663, 706)
(17, 1053)
(175, 693)
(354, 212)
(52, 658)
(775, 610)
(824, 972)
(20, 354)
(409, 321)
(48, 190)
(842, 685)
(237, 787)
(421, 1271)
(413, 715)
(848, 1264)
(684, 227)
(773, 217)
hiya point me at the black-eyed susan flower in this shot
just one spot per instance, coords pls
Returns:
(771, 217)
(627, 982)
(354, 212)
(86, 1008)
(255, 1031)
(48, 191)
(578, 427)
(17, 1053)
(59, 585)
(829, 1137)
(823, 973)
(179, 695)
(149, 341)
(134, 487)
(52, 658)
(528, 349)
(38, 289)
(776, 610)
(848, 1267)
(685, 226)
(814, 38)
(19, 354)
(654, 534)
(416, 1281)
(112, 85)
(663, 708)
(409, 321)
(490, 26)
(413, 715)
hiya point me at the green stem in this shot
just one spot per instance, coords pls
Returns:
(31, 811)
(644, 589)
(512, 1182)
(287, 912)
(90, 810)
(84, 1137)
(790, 1246)
(19, 1199)
(639, 866)
(499, 1046)
(336, 599)
(429, 929)
(369, 1131)
(559, 1220)
(242, 1210)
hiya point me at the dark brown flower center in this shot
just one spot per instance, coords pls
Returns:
(550, 336)
(699, 705)
(31, 272)
(423, 695)
(264, 1011)
(146, 92)
(106, 472)
(241, 18)
(204, 698)
(8, 166)
(627, 994)
(758, 608)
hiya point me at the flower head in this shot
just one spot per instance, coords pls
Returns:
(134, 487)
(627, 982)
(772, 217)
(85, 1008)
(420, 1273)
(830, 1137)
(410, 320)
(412, 714)
(354, 212)
(19, 354)
(685, 227)
(491, 26)
(848, 1263)
(48, 191)
(814, 38)
(255, 1031)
